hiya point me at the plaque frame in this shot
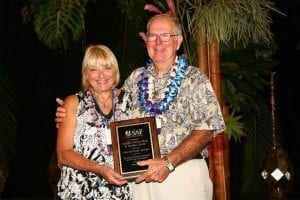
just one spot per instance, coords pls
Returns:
(129, 130)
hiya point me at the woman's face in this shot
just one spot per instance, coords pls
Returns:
(100, 78)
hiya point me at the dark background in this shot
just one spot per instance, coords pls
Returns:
(40, 75)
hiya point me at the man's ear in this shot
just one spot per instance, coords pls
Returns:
(179, 41)
(143, 36)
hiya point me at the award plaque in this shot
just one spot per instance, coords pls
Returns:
(132, 141)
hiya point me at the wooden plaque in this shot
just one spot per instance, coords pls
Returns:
(132, 141)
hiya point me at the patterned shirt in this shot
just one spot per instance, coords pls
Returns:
(194, 108)
(92, 140)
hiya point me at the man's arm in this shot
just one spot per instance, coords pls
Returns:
(188, 149)
(190, 146)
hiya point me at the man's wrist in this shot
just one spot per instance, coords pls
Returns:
(169, 164)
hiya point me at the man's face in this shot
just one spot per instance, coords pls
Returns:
(160, 51)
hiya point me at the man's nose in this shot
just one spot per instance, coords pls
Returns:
(158, 40)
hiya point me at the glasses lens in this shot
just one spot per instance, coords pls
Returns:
(165, 37)
(151, 37)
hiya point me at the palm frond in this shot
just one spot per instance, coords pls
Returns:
(126, 42)
(9, 107)
(57, 23)
(258, 141)
(132, 9)
(246, 21)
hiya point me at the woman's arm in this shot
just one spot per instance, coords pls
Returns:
(64, 146)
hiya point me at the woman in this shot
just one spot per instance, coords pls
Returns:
(83, 142)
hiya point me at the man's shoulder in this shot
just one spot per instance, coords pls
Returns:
(132, 79)
(195, 72)
(137, 71)
(134, 74)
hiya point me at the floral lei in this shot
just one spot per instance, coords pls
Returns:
(163, 105)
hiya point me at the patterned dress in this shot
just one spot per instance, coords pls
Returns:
(92, 140)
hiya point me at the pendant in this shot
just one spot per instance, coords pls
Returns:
(155, 94)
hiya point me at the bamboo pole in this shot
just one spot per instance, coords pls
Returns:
(219, 144)
(209, 62)
(202, 61)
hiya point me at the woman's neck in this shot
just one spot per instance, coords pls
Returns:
(103, 96)
(104, 100)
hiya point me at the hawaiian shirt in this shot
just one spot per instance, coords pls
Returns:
(194, 108)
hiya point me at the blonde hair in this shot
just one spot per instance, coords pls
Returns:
(177, 25)
(98, 55)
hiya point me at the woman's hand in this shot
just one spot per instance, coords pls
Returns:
(111, 176)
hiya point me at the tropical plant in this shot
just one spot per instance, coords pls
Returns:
(232, 27)
(57, 23)
(9, 107)
(246, 83)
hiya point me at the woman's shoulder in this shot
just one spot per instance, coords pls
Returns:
(71, 101)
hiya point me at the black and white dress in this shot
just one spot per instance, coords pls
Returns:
(92, 140)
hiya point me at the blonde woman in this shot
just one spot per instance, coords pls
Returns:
(84, 150)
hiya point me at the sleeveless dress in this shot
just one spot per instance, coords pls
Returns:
(92, 140)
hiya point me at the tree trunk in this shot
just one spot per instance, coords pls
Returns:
(209, 62)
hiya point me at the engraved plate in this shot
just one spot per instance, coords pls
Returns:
(132, 141)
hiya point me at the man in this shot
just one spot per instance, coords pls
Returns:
(187, 113)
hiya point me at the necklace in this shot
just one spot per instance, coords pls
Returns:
(100, 121)
(103, 102)
(177, 75)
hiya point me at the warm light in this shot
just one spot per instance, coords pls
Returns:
(277, 174)
(277, 171)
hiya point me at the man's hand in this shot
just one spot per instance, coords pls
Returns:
(157, 171)
(60, 112)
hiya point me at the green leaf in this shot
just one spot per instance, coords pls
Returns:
(9, 106)
(59, 23)
(235, 128)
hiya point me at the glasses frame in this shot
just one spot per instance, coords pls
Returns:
(155, 36)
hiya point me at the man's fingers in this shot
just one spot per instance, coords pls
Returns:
(143, 163)
(142, 177)
(60, 112)
(58, 120)
(59, 101)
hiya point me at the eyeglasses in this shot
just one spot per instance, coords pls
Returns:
(165, 37)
